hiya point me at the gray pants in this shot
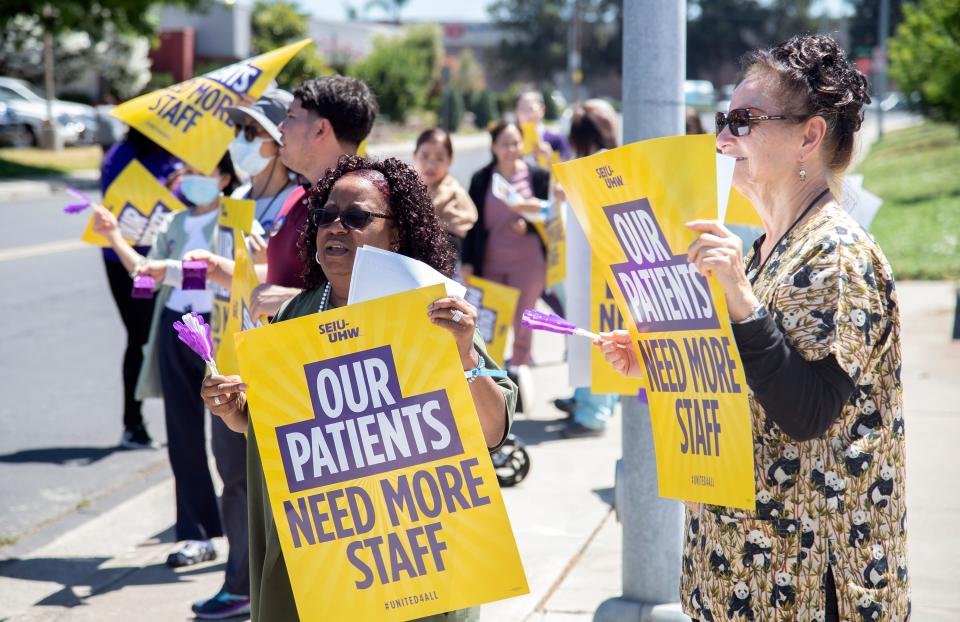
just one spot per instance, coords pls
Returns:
(230, 454)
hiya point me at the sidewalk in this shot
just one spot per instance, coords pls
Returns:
(112, 567)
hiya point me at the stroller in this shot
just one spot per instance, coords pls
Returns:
(511, 462)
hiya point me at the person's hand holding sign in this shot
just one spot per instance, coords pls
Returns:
(719, 252)
(619, 352)
(460, 318)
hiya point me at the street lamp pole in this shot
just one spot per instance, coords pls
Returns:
(654, 66)
(883, 27)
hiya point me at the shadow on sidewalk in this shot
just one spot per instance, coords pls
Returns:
(60, 455)
(86, 573)
(536, 431)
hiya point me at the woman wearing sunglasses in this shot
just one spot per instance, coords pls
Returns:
(384, 205)
(816, 320)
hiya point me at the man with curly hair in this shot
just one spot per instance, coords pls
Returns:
(329, 117)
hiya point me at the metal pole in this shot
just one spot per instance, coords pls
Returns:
(50, 138)
(883, 28)
(573, 51)
(654, 65)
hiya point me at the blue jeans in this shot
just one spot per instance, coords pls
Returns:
(593, 410)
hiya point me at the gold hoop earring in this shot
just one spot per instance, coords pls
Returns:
(803, 173)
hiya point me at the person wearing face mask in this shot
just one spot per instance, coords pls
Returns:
(432, 158)
(170, 369)
(256, 152)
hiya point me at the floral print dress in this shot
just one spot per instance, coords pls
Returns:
(837, 501)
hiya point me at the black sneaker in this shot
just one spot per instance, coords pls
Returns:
(136, 437)
(192, 552)
(223, 605)
(577, 430)
(565, 404)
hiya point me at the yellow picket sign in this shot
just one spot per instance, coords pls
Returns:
(740, 211)
(386, 503)
(606, 317)
(141, 204)
(496, 305)
(235, 219)
(633, 203)
(190, 119)
(531, 140)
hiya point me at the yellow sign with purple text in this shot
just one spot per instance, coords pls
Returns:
(386, 503)
(496, 306)
(231, 306)
(190, 119)
(141, 204)
(633, 203)
(606, 317)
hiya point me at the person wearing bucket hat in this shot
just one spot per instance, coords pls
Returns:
(256, 151)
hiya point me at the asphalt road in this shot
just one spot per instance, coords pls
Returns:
(61, 346)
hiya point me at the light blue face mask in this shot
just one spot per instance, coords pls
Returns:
(246, 155)
(200, 189)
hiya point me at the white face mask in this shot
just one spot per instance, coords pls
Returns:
(246, 155)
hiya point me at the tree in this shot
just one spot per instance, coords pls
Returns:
(394, 8)
(275, 24)
(469, 77)
(403, 71)
(925, 56)
(121, 59)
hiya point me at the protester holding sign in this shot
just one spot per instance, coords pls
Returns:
(134, 312)
(432, 157)
(816, 322)
(503, 246)
(329, 117)
(170, 369)
(594, 127)
(529, 109)
(360, 202)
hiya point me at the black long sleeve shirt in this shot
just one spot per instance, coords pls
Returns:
(802, 397)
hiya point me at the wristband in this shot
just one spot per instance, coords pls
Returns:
(480, 370)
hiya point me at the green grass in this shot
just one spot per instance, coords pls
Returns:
(28, 162)
(916, 171)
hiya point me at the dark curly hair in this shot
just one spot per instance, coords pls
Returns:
(348, 103)
(813, 77)
(421, 234)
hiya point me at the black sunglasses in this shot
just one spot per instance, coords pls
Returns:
(249, 131)
(351, 218)
(740, 120)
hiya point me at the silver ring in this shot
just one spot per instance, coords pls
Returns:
(457, 314)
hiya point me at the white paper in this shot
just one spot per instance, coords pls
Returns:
(861, 204)
(378, 273)
(503, 190)
(725, 166)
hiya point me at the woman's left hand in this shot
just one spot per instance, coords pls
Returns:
(719, 252)
(460, 318)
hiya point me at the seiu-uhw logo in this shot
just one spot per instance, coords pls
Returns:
(339, 330)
